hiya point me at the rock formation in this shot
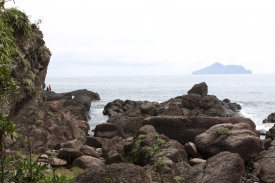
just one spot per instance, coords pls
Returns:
(190, 138)
(46, 119)
(129, 115)
(270, 118)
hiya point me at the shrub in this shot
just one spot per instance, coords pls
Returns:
(19, 22)
(137, 149)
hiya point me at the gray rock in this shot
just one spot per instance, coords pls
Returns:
(96, 142)
(200, 89)
(89, 151)
(107, 130)
(265, 166)
(236, 138)
(127, 173)
(113, 157)
(146, 129)
(196, 161)
(191, 150)
(58, 162)
(69, 154)
(185, 128)
(270, 118)
(87, 162)
(75, 144)
(224, 167)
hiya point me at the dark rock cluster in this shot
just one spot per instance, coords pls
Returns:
(190, 138)
(270, 118)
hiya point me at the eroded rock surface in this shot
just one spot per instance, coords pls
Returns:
(128, 115)
(115, 173)
(224, 167)
(184, 128)
(237, 138)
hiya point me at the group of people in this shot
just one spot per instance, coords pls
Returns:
(49, 88)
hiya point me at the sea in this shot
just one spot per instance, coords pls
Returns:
(255, 93)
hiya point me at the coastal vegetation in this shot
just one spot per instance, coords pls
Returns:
(15, 31)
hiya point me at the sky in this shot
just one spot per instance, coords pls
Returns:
(154, 37)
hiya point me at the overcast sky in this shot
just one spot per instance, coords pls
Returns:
(154, 37)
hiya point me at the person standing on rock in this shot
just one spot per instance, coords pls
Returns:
(50, 89)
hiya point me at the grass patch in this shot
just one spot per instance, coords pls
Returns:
(224, 131)
(38, 122)
(178, 179)
(52, 114)
(73, 172)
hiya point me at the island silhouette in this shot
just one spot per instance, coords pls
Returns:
(218, 68)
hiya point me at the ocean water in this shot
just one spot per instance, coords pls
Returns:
(255, 93)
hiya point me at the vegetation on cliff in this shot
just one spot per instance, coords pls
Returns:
(17, 33)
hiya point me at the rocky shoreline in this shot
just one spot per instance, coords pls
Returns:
(190, 138)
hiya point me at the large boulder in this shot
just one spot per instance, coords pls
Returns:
(89, 151)
(87, 162)
(84, 100)
(51, 96)
(208, 105)
(149, 148)
(270, 118)
(84, 92)
(271, 133)
(107, 130)
(191, 150)
(237, 138)
(128, 115)
(96, 142)
(114, 144)
(224, 167)
(184, 128)
(75, 144)
(264, 166)
(200, 89)
(69, 154)
(57, 162)
(115, 173)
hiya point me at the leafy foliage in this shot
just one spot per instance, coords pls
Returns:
(7, 128)
(7, 49)
(19, 22)
(26, 171)
(137, 149)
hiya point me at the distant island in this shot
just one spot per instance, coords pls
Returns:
(218, 68)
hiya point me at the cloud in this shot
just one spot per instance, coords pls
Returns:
(176, 37)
